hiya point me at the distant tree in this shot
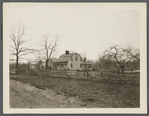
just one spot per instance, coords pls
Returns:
(97, 65)
(105, 59)
(135, 53)
(17, 47)
(85, 62)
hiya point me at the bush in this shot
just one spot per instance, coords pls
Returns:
(31, 72)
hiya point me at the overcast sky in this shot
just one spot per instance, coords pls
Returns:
(89, 28)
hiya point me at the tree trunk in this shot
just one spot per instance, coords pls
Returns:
(87, 72)
(47, 64)
(122, 69)
(17, 60)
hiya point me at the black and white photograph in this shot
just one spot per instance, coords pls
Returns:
(74, 58)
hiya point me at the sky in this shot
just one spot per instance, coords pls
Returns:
(82, 28)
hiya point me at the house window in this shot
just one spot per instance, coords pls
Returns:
(71, 59)
(71, 65)
(80, 65)
(76, 58)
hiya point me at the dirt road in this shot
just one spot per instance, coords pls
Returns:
(27, 96)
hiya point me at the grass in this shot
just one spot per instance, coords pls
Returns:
(99, 94)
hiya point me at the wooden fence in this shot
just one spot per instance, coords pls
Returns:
(111, 76)
(59, 73)
(99, 76)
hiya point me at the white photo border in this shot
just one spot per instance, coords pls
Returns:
(143, 70)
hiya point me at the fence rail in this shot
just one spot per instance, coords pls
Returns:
(58, 73)
(94, 75)
(102, 75)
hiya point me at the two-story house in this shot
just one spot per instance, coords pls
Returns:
(70, 61)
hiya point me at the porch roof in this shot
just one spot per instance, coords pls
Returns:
(60, 62)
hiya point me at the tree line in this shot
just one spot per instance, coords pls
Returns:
(114, 57)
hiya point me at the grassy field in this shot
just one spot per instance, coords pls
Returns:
(97, 94)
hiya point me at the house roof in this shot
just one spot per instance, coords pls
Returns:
(65, 58)
(49, 62)
(33, 63)
(40, 62)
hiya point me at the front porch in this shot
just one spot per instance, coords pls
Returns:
(60, 66)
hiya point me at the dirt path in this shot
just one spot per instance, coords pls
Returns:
(27, 96)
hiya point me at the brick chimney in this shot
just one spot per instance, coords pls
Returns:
(67, 52)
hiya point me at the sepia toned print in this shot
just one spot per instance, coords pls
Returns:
(75, 56)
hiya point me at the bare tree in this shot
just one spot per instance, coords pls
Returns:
(17, 49)
(135, 53)
(121, 55)
(85, 63)
(97, 65)
(49, 47)
(105, 58)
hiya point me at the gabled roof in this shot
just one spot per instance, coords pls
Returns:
(40, 62)
(65, 57)
(33, 62)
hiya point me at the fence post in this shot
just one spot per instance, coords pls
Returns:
(76, 74)
(66, 73)
(131, 76)
(118, 75)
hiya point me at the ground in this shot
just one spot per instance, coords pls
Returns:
(55, 92)
(26, 96)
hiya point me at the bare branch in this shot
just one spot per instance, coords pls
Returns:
(13, 53)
